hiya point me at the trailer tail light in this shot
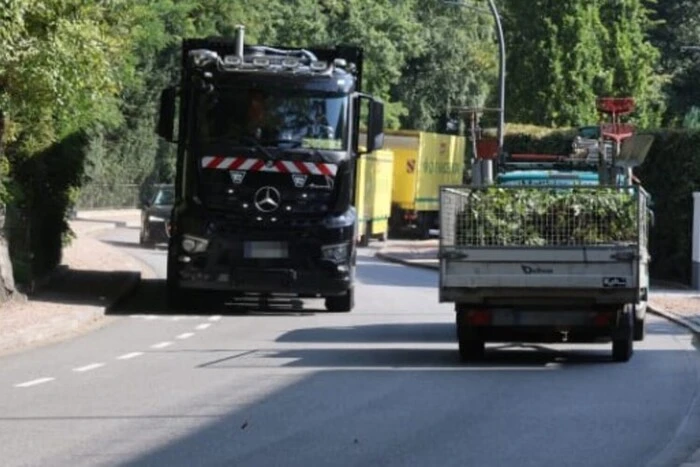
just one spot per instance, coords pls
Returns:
(410, 215)
(479, 317)
(603, 318)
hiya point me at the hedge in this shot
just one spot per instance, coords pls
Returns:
(670, 174)
(45, 186)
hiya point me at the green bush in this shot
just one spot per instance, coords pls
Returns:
(45, 186)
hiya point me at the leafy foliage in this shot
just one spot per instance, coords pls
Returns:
(562, 55)
(529, 216)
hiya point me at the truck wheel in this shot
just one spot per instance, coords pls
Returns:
(623, 340)
(471, 345)
(639, 329)
(341, 303)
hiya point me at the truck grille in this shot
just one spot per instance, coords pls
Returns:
(220, 192)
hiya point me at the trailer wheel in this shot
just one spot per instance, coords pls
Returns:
(471, 345)
(341, 303)
(623, 339)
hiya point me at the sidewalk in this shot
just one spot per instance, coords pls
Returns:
(93, 276)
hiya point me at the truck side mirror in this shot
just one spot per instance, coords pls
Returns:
(166, 118)
(375, 127)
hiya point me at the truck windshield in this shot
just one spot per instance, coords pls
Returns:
(274, 118)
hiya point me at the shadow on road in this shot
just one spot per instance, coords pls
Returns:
(428, 332)
(83, 287)
(126, 244)
(150, 298)
(497, 356)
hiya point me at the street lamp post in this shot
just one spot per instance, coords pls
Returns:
(501, 89)
(487, 168)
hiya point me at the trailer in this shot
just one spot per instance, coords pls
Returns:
(373, 183)
(422, 163)
(555, 251)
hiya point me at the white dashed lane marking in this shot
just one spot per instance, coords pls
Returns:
(161, 345)
(34, 382)
(92, 366)
(129, 355)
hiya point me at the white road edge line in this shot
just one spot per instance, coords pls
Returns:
(129, 355)
(185, 335)
(92, 366)
(33, 382)
(161, 345)
(215, 318)
(202, 326)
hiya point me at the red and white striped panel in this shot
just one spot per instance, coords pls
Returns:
(246, 164)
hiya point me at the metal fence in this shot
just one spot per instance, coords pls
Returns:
(532, 216)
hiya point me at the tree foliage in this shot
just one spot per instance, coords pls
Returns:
(562, 55)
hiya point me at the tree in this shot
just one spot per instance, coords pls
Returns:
(677, 24)
(631, 60)
(59, 74)
(563, 55)
(456, 66)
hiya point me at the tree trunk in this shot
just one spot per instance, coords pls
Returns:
(7, 281)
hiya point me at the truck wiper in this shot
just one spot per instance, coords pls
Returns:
(295, 142)
(258, 146)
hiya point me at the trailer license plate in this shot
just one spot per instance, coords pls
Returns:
(265, 250)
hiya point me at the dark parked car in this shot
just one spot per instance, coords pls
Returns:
(155, 216)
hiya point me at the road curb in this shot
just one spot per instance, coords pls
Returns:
(393, 259)
(680, 320)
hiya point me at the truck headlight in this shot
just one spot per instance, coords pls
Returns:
(152, 218)
(335, 253)
(346, 219)
(192, 244)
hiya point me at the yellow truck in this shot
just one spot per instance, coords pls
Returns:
(373, 185)
(422, 163)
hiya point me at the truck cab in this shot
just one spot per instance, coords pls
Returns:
(267, 145)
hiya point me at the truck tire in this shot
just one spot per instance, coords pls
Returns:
(623, 339)
(639, 329)
(341, 303)
(471, 345)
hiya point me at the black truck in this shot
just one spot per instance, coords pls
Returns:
(267, 142)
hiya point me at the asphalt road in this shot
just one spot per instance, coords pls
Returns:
(378, 386)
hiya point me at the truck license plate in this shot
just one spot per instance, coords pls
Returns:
(265, 250)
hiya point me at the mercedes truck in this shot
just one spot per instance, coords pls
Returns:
(267, 144)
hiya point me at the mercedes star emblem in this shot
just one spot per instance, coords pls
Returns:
(267, 199)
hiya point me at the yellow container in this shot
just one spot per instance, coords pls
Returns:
(373, 185)
(422, 163)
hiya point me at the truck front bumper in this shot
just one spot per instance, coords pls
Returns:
(270, 280)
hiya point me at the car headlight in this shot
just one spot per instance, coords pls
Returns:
(192, 244)
(153, 218)
(335, 253)
(346, 219)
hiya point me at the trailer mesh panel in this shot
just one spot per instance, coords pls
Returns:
(536, 216)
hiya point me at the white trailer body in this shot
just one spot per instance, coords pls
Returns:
(579, 271)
